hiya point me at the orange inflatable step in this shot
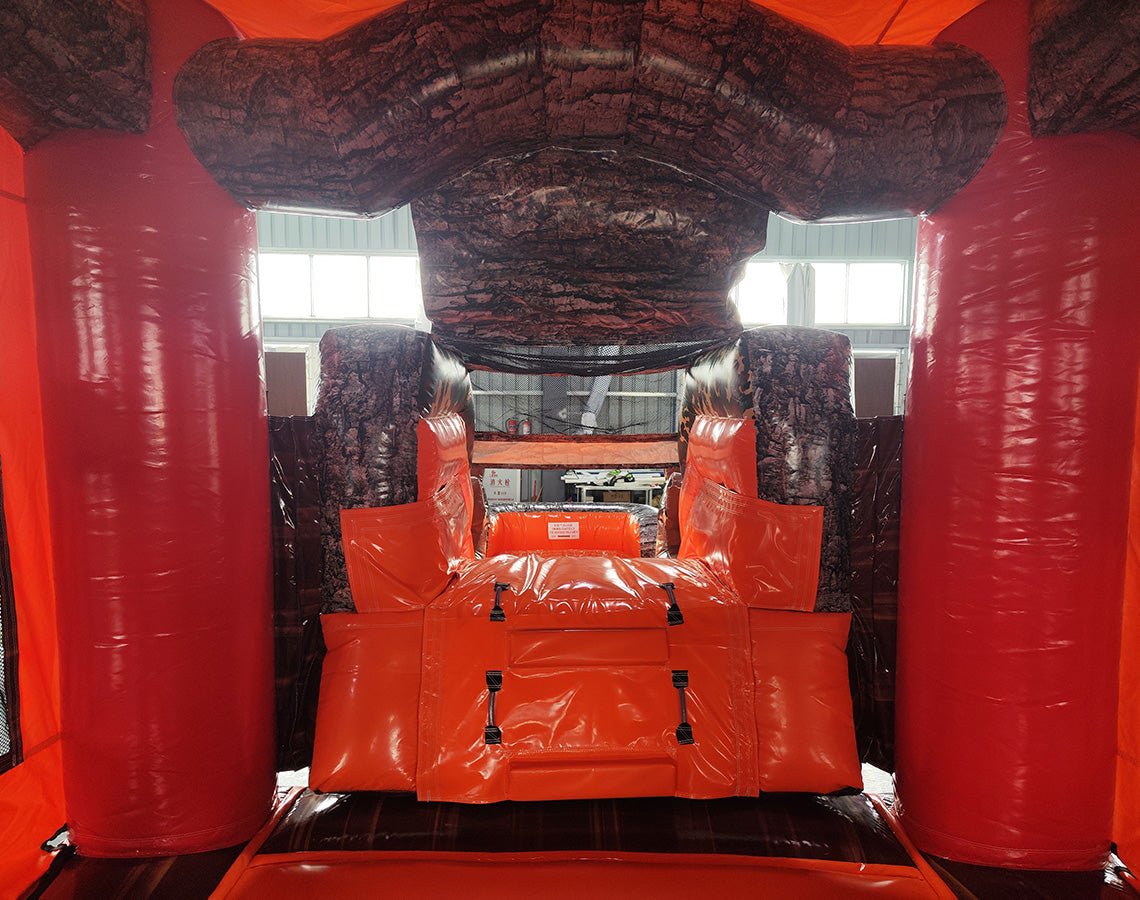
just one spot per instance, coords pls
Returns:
(368, 716)
(557, 531)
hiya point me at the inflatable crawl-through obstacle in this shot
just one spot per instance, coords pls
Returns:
(578, 176)
(563, 668)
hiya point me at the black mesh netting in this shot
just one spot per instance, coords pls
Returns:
(579, 360)
(5, 739)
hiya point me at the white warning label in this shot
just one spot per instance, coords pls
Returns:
(562, 531)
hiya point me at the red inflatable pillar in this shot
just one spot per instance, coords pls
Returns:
(156, 446)
(1015, 490)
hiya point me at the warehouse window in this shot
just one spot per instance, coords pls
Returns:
(859, 293)
(340, 286)
(761, 296)
(9, 725)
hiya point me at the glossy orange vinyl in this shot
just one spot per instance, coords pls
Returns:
(768, 553)
(31, 794)
(804, 734)
(369, 710)
(850, 21)
(442, 452)
(403, 556)
(549, 531)
(722, 450)
(588, 706)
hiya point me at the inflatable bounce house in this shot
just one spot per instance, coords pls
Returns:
(565, 699)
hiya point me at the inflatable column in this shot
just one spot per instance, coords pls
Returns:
(155, 438)
(1015, 492)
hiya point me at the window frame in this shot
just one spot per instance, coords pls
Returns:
(797, 314)
(11, 677)
(734, 294)
(312, 316)
(847, 262)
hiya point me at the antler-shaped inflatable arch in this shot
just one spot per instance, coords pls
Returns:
(588, 173)
(724, 90)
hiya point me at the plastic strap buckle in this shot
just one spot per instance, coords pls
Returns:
(684, 730)
(497, 613)
(673, 616)
(492, 733)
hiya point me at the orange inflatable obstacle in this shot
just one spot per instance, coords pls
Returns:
(555, 675)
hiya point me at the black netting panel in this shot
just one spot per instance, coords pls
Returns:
(5, 739)
(579, 360)
(557, 404)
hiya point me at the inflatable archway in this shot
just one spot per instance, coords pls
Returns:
(579, 174)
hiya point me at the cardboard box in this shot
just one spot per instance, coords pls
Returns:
(617, 496)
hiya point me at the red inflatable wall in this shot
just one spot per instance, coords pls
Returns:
(156, 446)
(1015, 493)
(31, 794)
(1126, 827)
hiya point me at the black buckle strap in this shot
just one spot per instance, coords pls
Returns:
(497, 613)
(492, 733)
(684, 730)
(673, 615)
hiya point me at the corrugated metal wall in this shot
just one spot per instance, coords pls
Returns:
(392, 233)
(892, 239)
(499, 396)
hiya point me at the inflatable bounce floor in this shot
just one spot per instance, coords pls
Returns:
(557, 699)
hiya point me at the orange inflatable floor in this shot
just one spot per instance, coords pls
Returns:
(595, 875)
(793, 846)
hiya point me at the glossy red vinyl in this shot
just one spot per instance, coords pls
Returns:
(155, 438)
(403, 556)
(616, 533)
(369, 710)
(1126, 820)
(1019, 427)
(569, 876)
(768, 553)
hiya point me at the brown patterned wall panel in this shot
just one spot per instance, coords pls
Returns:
(723, 90)
(1084, 66)
(297, 551)
(587, 171)
(874, 584)
(73, 64)
(569, 247)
